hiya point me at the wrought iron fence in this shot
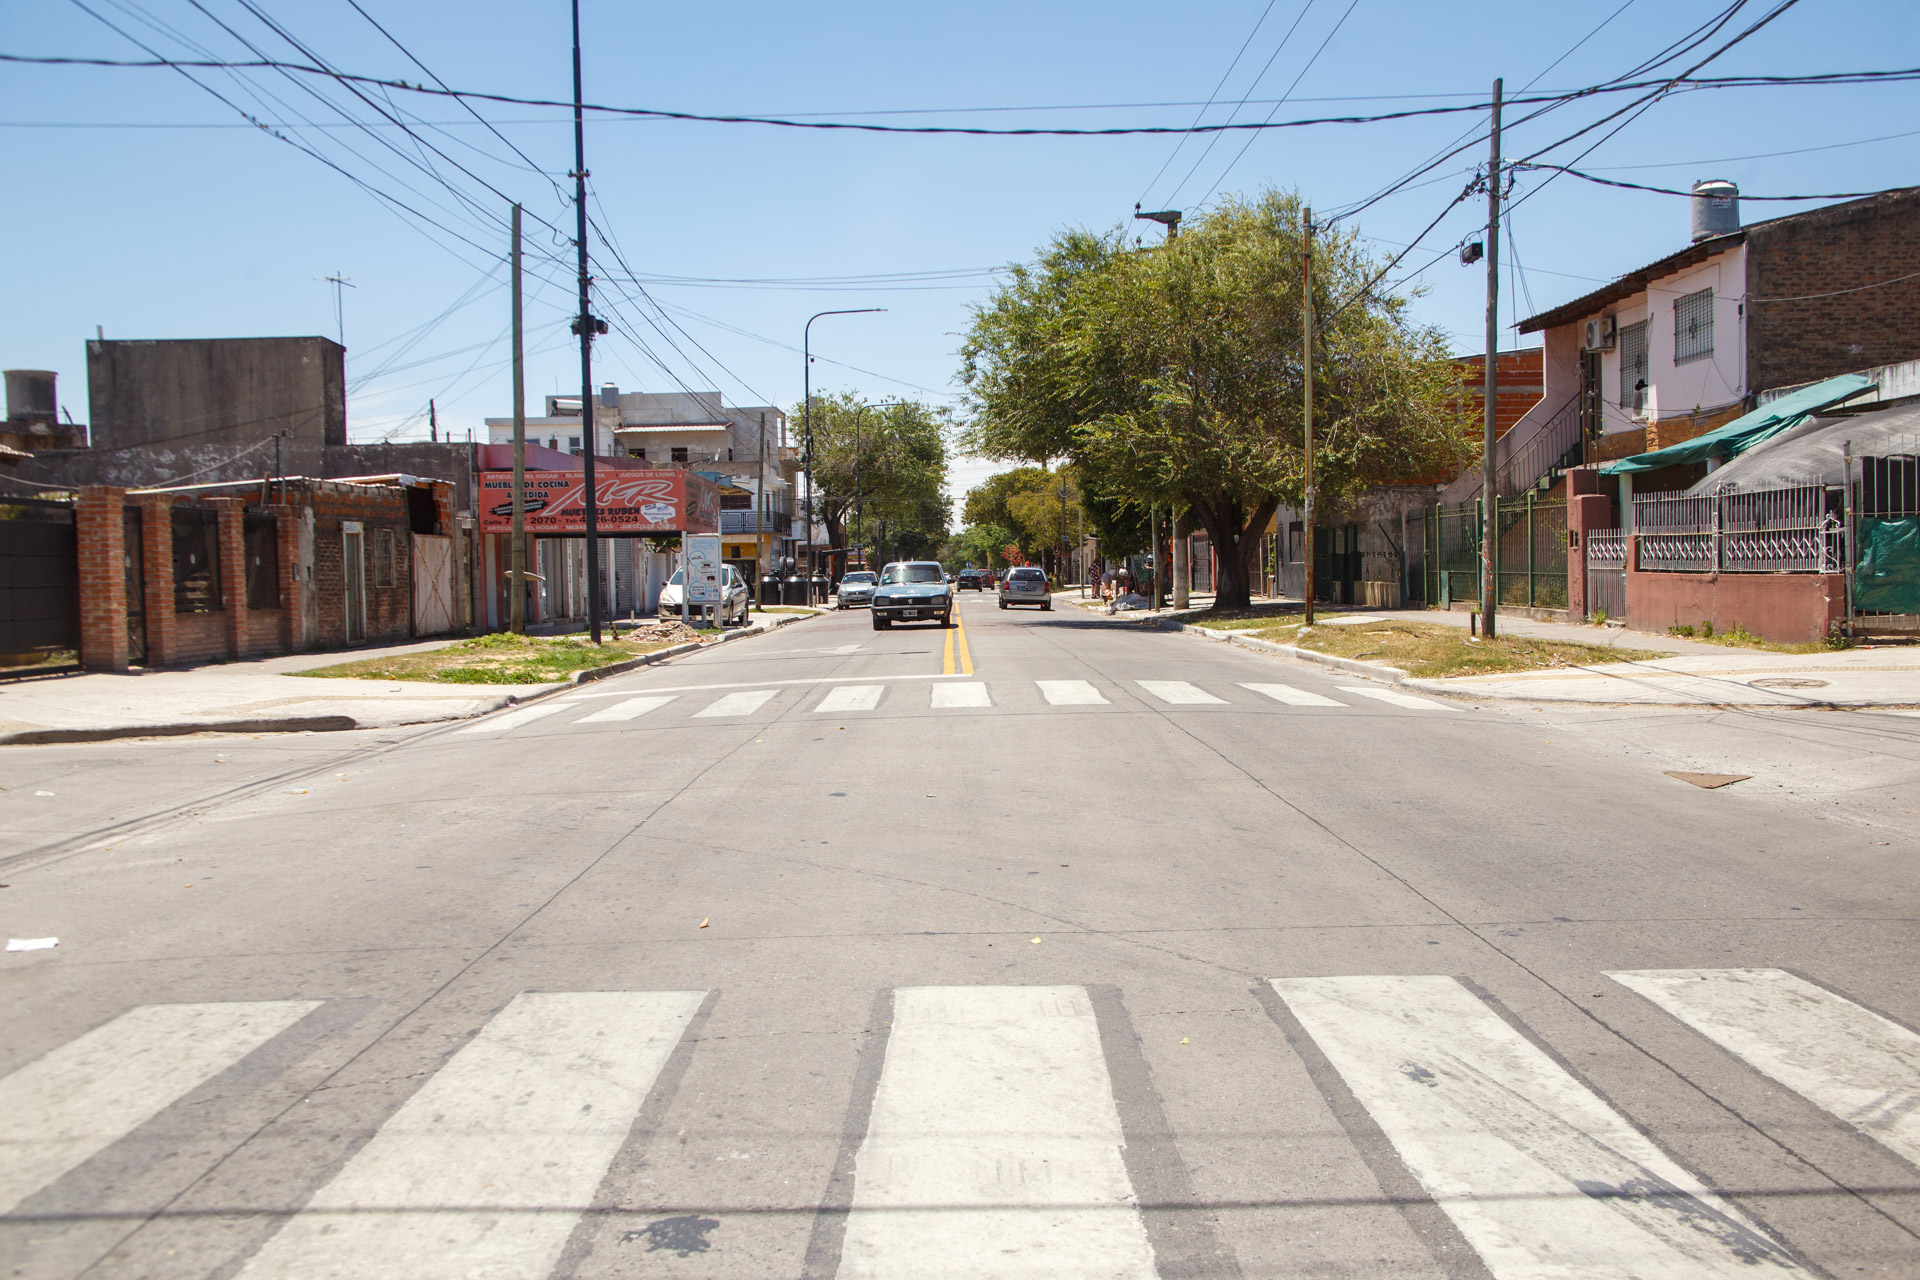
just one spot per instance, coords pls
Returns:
(1530, 556)
(1789, 530)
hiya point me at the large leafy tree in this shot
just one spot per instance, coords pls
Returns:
(1173, 375)
(888, 463)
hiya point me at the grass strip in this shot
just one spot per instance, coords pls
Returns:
(1431, 650)
(496, 659)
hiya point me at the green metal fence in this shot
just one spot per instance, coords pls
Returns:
(1530, 556)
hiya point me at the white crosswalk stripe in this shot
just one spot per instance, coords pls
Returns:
(1070, 693)
(1179, 693)
(1542, 1177)
(61, 1109)
(1846, 1060)
(852, 697)
(512, 719)
(1291, 696)
(1397, 698)
(971, 694)
(744, 703)
(994, 1148)
(485, 1170)
(629, 709)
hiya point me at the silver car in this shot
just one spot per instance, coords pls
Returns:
(1025, 585)
(856, 590)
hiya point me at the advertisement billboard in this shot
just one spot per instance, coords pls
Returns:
(703, 568)
(629, 501)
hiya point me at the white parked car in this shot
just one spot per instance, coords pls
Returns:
(734, 596)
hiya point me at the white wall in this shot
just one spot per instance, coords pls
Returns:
(1712, 382)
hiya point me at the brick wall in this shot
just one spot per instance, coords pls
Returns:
(1521, 383)
(1682, 427)
(100, 533)
(389, 610)
(1844, 247)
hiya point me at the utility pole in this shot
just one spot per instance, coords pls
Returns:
(1306, 382)
(1178, 556)
(586, 326)
(1153, 539)
(760, 509)
(338, 282)
(433, 422)
(517, 536)
(1489, 499)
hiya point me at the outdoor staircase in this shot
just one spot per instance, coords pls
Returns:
(1532, 462)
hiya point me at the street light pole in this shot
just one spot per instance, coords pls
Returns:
(806, 406)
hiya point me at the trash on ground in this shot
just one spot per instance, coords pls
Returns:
(705, 921)
(32, 944)
(1708, 781)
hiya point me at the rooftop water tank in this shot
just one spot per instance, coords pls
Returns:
(609, 395)
(30, 396)
(1716, 208)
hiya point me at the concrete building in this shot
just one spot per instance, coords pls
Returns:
(217, 391)
(33, 422)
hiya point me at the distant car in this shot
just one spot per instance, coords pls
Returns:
(856, 589)
(1025, 585)
(971, 580)
(912, 591)
(734, 597)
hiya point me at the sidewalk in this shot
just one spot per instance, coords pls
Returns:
(261, 696)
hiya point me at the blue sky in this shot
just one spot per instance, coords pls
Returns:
(167, 216)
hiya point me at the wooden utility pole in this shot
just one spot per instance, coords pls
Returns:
(517, 537)
(586, 325)
(760, 510)
(1306, 382)
(1489, 497)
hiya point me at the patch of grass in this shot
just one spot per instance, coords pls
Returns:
(1431, 650)
(1243, 619)
(1738, 637)
(494, 659)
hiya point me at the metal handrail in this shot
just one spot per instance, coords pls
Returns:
(1540, 452)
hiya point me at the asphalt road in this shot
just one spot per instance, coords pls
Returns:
(1047, 946)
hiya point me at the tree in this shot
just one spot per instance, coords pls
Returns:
(888, 462)
(1173, 376)
(1026, 508)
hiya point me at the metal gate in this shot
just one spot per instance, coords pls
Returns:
(1884, 545)
(39, 577)
(134, 557)
(1606, 573)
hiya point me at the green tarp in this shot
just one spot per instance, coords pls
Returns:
(1887, 577)
(1749, 429)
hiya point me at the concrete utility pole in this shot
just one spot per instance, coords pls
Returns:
(760, 512)
(1181, 577)
(517, 537)
(1306, 382)
(586, 326)
(1489, 498)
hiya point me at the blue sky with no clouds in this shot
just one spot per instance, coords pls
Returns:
(140, 202)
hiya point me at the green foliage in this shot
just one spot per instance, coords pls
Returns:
(893, 459)
(1174, 375)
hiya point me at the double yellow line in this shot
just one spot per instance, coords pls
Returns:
(957, 644)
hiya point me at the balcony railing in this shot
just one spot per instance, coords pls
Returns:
(773, 522)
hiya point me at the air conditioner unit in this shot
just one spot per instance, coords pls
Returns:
(1600, 333)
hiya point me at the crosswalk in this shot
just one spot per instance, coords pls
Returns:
(992, 1142)
(843, 698)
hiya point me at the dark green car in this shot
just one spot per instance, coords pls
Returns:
(912, 591)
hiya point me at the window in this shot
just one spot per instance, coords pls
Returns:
(637, 453)
(1693, 327)
(263, 561)
(1633, 366)
(736, 502)
(196, 560)
(573, 445)
(383, 557)
(679, 453)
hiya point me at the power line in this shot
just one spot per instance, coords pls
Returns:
(1205, 107)
(1674, 191)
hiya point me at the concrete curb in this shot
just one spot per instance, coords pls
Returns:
(336, 724)
(286, 724)
(1378, 671)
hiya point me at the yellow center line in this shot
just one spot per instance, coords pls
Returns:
(960, 628)
(946, 663)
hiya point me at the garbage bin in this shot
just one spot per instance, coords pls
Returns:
(822, 588)
(793, 590)
(769, 590)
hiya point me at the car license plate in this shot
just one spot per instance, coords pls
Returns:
(909, 613)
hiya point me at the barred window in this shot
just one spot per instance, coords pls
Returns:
(262, 533)
(196, 560)
(1633, 366)
(1693, 327)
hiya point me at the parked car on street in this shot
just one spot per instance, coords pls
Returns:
(1025, 584)
(856, 589)
(912, 591)
(971, 580)
(734, 596)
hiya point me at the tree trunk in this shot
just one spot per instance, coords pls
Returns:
(1236, 546)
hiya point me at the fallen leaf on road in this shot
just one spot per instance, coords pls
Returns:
(1036, 942)
(1184, 1040)
(32, 944)
(705, 921)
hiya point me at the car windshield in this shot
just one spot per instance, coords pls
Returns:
(859, 579)
(675, 580)
(896, 573)
(1025, 575)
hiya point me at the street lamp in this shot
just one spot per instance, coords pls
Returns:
(858, 492)
(1168, 218)
(806, 406)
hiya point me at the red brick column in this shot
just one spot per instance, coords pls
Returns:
(293, 588)
(232, 513)
(100, 528)
(156, 525)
